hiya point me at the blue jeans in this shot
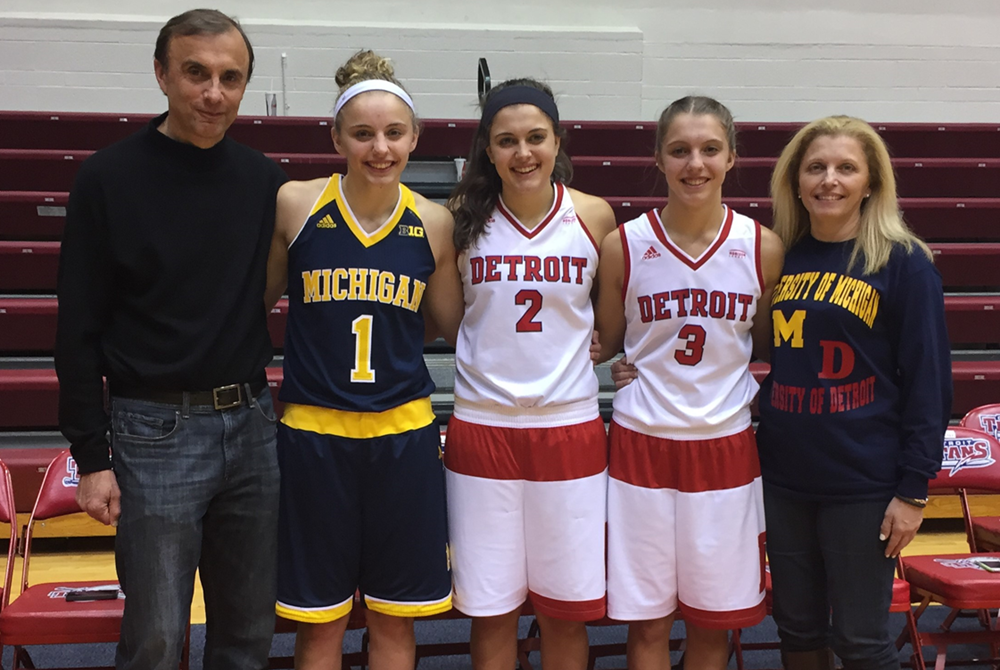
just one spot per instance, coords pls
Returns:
(199, 490)
(826, 557)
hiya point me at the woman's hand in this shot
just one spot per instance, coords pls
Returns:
(899, 526)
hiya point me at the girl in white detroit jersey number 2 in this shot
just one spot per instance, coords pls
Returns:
(526, 451)
(686, 288)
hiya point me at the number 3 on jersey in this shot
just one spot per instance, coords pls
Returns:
(362, 329)
(694, 350)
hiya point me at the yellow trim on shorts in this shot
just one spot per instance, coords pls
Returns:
(359, 425)
(325, 615)
(409, 609)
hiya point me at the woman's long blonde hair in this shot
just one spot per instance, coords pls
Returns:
(881, 226)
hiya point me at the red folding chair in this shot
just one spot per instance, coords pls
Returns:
(985, 529)
(42, 614)
(8, 515)
(958, 581)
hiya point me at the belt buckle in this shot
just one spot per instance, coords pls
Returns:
(221, 396)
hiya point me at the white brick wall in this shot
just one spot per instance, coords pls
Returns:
(769, 60)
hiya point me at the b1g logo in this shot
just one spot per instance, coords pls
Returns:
(966, 452)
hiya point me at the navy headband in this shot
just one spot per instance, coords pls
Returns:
(519, 95)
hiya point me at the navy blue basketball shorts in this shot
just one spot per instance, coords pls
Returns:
(362, 515)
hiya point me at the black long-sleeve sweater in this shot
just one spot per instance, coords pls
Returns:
(161, 276)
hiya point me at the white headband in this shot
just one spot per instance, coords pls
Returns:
(371, 85)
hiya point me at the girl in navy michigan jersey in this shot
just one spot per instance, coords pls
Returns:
(362, 490)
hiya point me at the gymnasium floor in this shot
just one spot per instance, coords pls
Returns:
(93, 558)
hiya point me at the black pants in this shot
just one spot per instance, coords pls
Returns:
(826, 558)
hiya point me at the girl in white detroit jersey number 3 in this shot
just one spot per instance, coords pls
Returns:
(686, 288)
(526, 452)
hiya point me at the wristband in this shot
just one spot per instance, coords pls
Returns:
(915, 502)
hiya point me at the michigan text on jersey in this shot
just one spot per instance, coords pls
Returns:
(363, 284)
(856, 296)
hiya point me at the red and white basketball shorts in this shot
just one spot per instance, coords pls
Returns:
(526, 516)
(685, 529)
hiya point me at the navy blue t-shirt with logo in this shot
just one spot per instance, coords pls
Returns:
(860, 391)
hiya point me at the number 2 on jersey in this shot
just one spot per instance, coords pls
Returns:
(533, 299)
(362, 329)
(693, 351)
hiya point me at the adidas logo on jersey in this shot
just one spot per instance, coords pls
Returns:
(737, 253)
(327, 222)
(650, 253)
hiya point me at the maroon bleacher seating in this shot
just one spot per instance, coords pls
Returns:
(933, 219)
(32, 215)
(30, 397)
(451, 137)
(83, 131)
(53, 170)
(40, 215)
(28, 266)
(32, 266)
(967, 264)
(28, 325)
(917, 178)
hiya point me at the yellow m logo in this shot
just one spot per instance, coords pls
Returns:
(790, 329)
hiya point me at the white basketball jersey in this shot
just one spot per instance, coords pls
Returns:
(688, 330)
(522, 355)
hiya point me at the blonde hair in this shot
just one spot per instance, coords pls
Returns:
(364, 66)
(881, 226)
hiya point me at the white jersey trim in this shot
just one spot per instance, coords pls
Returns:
(545, 416)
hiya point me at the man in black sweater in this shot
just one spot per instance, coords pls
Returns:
(161, 292)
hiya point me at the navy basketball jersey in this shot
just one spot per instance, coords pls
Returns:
(355, 335)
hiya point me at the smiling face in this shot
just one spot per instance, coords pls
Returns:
(204, 81)
(833, 182)
(695, 157)
(375, 134)
(523, 148)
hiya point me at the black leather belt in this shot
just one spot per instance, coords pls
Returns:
(222, 397)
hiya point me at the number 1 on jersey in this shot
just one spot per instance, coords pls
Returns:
(362, 329)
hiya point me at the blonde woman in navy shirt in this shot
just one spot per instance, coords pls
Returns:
(854, 411)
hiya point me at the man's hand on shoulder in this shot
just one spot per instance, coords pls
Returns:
(98, 495)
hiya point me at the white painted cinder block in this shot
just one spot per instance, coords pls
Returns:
(919, 60)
